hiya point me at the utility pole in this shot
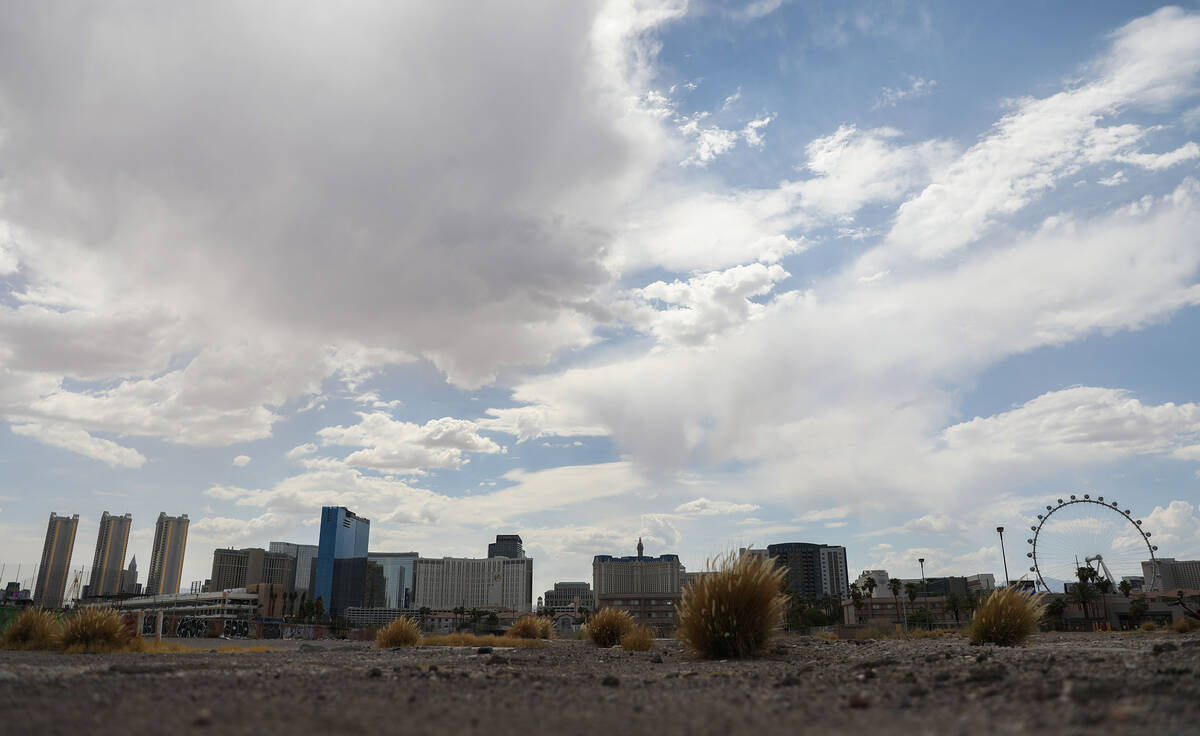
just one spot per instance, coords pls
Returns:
(1000, 531)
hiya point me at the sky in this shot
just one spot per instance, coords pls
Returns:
(712, 274)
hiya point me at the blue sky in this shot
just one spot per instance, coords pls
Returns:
(708, 273)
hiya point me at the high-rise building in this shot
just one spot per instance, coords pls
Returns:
(237, 568)
(507, 545)
(166, 557)
(56, 561)
(306, 557)
(109, 559)
(637, 574)
(1173, 574)
(397, 569)
(341, 576)
(496, 582)
(813, 569)
(129, 583)
(569, 596)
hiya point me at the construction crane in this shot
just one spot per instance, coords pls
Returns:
(73, 589)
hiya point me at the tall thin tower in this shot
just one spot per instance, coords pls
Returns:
(56, 561)
(166, 557)
(111, 542)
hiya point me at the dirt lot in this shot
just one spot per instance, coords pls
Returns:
(1061, 684)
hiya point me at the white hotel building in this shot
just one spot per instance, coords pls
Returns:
(498, 583)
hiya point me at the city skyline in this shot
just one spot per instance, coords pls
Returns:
(706, 274)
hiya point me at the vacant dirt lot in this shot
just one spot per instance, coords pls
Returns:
(1061, 684)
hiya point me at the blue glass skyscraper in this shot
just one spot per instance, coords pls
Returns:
(341, 578)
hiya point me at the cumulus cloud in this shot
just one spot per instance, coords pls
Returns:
(404, 447)
(241, 461)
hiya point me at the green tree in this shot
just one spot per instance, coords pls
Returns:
(954, 604)
(318, 611)
(1138, 607)
(894, 585)
(856, 597)
(1125, 588)
(869, 585)
(1084, 591)
(1055, 610)
(911, 590)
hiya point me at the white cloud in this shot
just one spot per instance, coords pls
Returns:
(1151, 61)
(79, 441)
(1116, 180)
(1081, 424)
(702, 307)
(241, 461)
(917, 87)
(705, 507)
(405, 447)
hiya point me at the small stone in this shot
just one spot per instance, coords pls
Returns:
(982, 657)
(918, 691)
(858, 701)
(610, 681)
(1164, 647)
(657, 659)
(483, 650)
(497, 659)
(788, 681)
(203, 717)
(375, 672)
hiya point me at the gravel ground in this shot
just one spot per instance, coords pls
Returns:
(1060, 684)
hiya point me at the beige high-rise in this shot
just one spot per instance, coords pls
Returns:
(111, 543)
(166, 557)
(56, 561)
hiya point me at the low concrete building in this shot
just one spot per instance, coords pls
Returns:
(238, 568)
(656, 610)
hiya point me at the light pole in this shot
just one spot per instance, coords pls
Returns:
(925, 591)
(1000, 531)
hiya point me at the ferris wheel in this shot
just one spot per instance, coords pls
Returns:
(1091, 532)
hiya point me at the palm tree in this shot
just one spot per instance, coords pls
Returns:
(911, 590)
(869, 585)
(1125, 588)
(1055, 610)
(1083, 591)
(856, 597)
(894, 585)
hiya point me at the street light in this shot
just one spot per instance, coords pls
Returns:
(925, 590)
(1000, 531)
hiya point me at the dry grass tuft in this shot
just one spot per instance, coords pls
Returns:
(402, 632)
(1148, 626)
(638, 639)
(245, 648)
(140, 645)
(735, 611)
(827, 636)
(546, 628)
(608, 626)
(35, 628)
(527, 627)
(1007, 618)
(471, 640)
(1185, 625)
(94, 630)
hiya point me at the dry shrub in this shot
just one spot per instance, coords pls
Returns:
(1185, 625)
(526, 627)
(1007, 618)
(734, 611)
(638, 639)
(35, 628)
(827, 636)
(472, 640)
(94, 630)
(608, 626)
(1148, 626)
(401, 632)
(546, 628)
(140, 645)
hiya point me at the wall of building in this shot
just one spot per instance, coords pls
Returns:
(450, 582)
(109, 560)
(611, 575)
(56, 560)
